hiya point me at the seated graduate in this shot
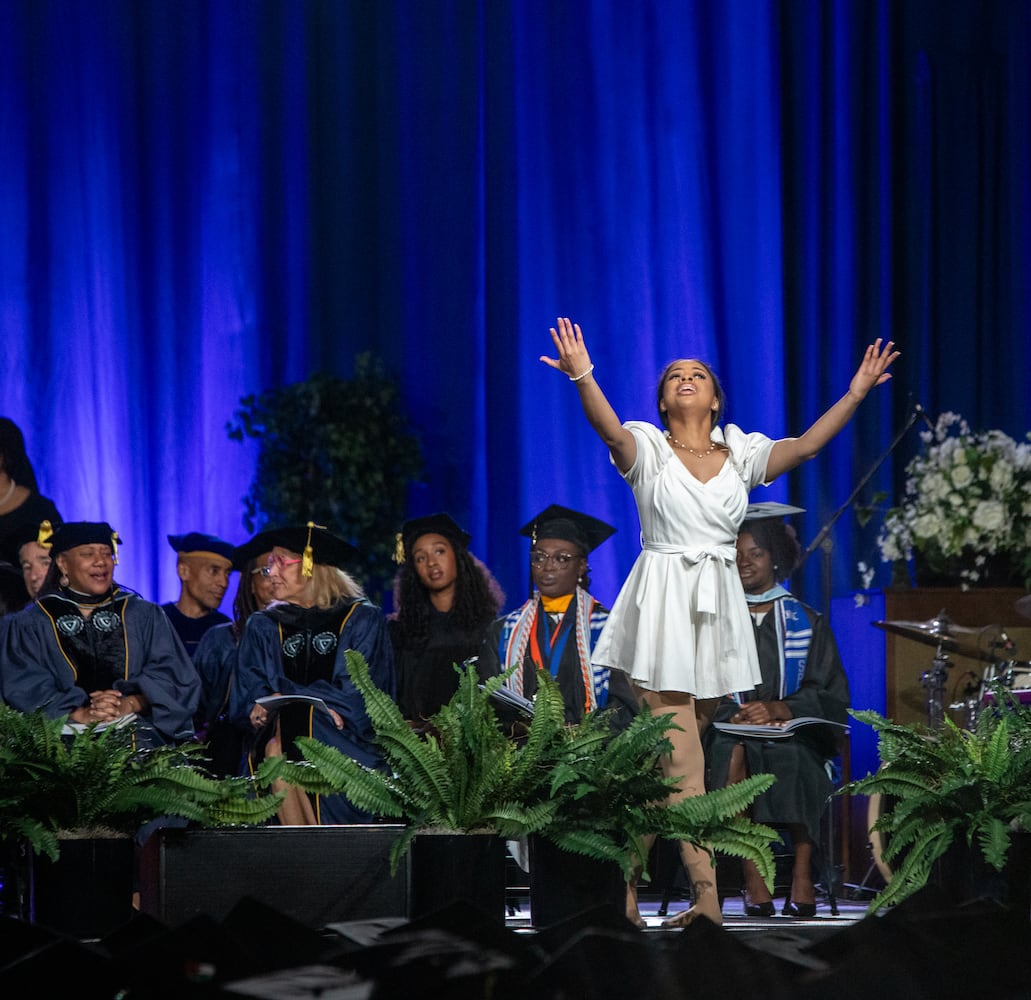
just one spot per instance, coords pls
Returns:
(203, 564)
(94, 651)
(556, 629)
(802, 676)
(445, 602)
(215, 660)
(297, 646)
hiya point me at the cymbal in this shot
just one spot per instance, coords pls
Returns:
(945, 634)
(1023, 605)
(933, 632)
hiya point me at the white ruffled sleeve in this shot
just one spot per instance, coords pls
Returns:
(750, 454)
(652, 452)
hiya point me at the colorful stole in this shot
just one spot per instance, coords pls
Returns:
(794, 634)
(530, 630)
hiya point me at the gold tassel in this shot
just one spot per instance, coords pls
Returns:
(308, 555)
(115, 541)
(45, 533)
(399, 549)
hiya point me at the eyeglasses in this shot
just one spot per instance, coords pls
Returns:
(558, 558)
(279, 561)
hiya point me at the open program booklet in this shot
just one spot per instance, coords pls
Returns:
(775, 731)
(275, 701)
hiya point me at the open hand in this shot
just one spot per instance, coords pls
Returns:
(573, 358)
(874, 368)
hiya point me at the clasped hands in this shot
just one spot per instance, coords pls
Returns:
(762, 713)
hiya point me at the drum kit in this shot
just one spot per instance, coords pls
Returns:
(988, 644)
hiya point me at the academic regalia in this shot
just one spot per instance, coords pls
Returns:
(425, 664)
(192, 630)
(287, 649)
(213, 548)
(425, 667)
(561, 643)
(54, 656)
(559, 633)
(803, 784)
(215, 662)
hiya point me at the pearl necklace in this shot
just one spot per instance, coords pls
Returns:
(9, 493)
(700, 454)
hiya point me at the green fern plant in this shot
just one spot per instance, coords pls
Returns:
(949, 786)
(587, 787)
(96, 780)
(608, 793)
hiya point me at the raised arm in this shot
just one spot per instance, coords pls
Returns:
(790, 452)
(574, 361)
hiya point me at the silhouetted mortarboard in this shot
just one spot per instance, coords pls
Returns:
(437, 524)
(196, 543)
(570, 525)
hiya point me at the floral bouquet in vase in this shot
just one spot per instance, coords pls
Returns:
(966, 512)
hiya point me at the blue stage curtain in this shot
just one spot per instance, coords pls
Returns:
(202, 199)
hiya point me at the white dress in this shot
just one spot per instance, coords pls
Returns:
(680, 622)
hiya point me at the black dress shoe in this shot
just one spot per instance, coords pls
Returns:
(798, 909)
(758, 909)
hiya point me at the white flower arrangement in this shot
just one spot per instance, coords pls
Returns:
(967, 501)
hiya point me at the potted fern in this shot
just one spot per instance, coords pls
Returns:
(76, 800)
(586, 788)
(608, 793)
(455, 789)
(959, 804)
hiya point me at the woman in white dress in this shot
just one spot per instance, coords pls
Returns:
(680, 627)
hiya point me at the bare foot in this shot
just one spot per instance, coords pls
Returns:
(706, 904)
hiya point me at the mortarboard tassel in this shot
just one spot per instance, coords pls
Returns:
(45, 533)
(115, 540)
(399, 549)
(308, 555)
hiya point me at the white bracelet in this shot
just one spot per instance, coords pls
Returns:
(576, 378)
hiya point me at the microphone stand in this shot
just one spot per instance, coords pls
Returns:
(823, 539)
(825, 543)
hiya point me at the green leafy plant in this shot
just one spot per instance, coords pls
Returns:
(588, 788)
(609, 793)
(337, 452)
(96, 780)
(949, 786)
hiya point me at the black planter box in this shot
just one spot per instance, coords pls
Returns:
(315, 874)
(87, 892)
(449, 867)
(564, 884)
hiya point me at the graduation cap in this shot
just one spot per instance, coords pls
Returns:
(770, 508)
(437, 524)
(315, 543)
(196, 543)
(41, 533)
(251, 549)
(569, 525)
(72, 534)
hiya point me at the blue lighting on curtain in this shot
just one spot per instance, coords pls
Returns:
(203, 200)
